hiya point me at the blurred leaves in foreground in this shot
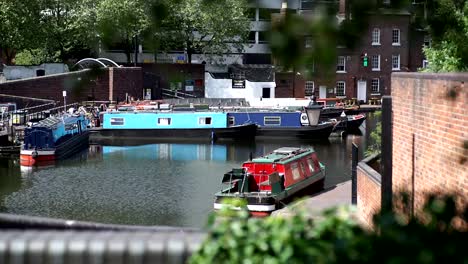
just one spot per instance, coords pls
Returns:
(234, 237)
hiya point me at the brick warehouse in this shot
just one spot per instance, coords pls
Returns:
(430, 141)
(108, 84)
(391, 43)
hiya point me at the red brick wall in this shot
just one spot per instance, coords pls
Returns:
(435, 160)
(80, 86)
(168, 72)
(368, 193)
(125, 80)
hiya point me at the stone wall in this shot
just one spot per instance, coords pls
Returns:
(430, 135)
(368, 191)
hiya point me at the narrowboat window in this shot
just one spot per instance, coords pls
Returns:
(164, 121)
(272, 120)
(117, 121)
(204, 121)
(232, 120)
(311, 165)
(295, 171)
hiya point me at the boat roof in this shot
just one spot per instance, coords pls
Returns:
(283, 155)
(52, 121)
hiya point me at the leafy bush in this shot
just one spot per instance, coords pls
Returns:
(234, 237)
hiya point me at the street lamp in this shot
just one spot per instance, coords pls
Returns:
(64, 93)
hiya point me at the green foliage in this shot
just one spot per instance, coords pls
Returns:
(234, 237)
(375, 138)
(120, 21)
(219, 26)
(448, 24)
(31, 57)
(19, 26)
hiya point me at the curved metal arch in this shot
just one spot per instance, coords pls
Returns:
(108, 62)
(84, 62)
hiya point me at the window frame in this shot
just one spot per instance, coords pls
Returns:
(113, 120)
(339, 65)
(169, 121)
(344, 89)
(376, 92)
(267, 120)
(397, 56)
(375, 35)
(394, 43)
(202, 120)
(307, 88)
(372, 62)
(231, 120)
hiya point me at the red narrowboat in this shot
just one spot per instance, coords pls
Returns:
(269, 181)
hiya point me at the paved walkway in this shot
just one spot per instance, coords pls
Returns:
(334, 196)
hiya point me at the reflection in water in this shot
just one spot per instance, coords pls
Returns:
(147, 183)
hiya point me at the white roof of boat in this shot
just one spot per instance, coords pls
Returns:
(286, 150)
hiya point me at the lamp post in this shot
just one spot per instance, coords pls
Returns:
(64, 93)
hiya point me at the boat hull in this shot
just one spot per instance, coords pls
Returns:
(352, 124)
(41, 157)
(246, 132)
(305, 132)
(263, 204)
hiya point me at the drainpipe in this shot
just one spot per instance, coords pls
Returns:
(386, 154)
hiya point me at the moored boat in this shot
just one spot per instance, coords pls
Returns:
(275, 124)
(54, 138)
(174, 125)
(269, 181)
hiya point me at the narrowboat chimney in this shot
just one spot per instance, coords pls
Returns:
(313, 113)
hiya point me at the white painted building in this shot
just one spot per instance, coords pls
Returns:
(17, 72)
(223, 88)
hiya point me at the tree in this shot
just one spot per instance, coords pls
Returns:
(121, 21)
(207, 27)
(69, 28)
(19, 27)
(448, 26)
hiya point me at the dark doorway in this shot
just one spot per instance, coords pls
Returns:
(266, 92)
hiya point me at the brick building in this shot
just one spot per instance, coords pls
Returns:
(391, 43)
(430, 143)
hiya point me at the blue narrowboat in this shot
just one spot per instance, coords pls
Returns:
(284, 124)
(53, 138)
(170, 125)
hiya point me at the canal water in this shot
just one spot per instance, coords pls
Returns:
(145, 183)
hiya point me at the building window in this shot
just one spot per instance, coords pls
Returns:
(375, 85)
(232, 120)
(252, 14)
(396, 37)
(164, 121)
(272, 121)
(264, 14)
(309, 88)
(341, 64)
(252, 36)
(308, 42)
(117, 121)
(396, 62)
(340, 88)
(204, 120)
(375, 62)
(427, 41)
(262, 37)
(376, 36)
